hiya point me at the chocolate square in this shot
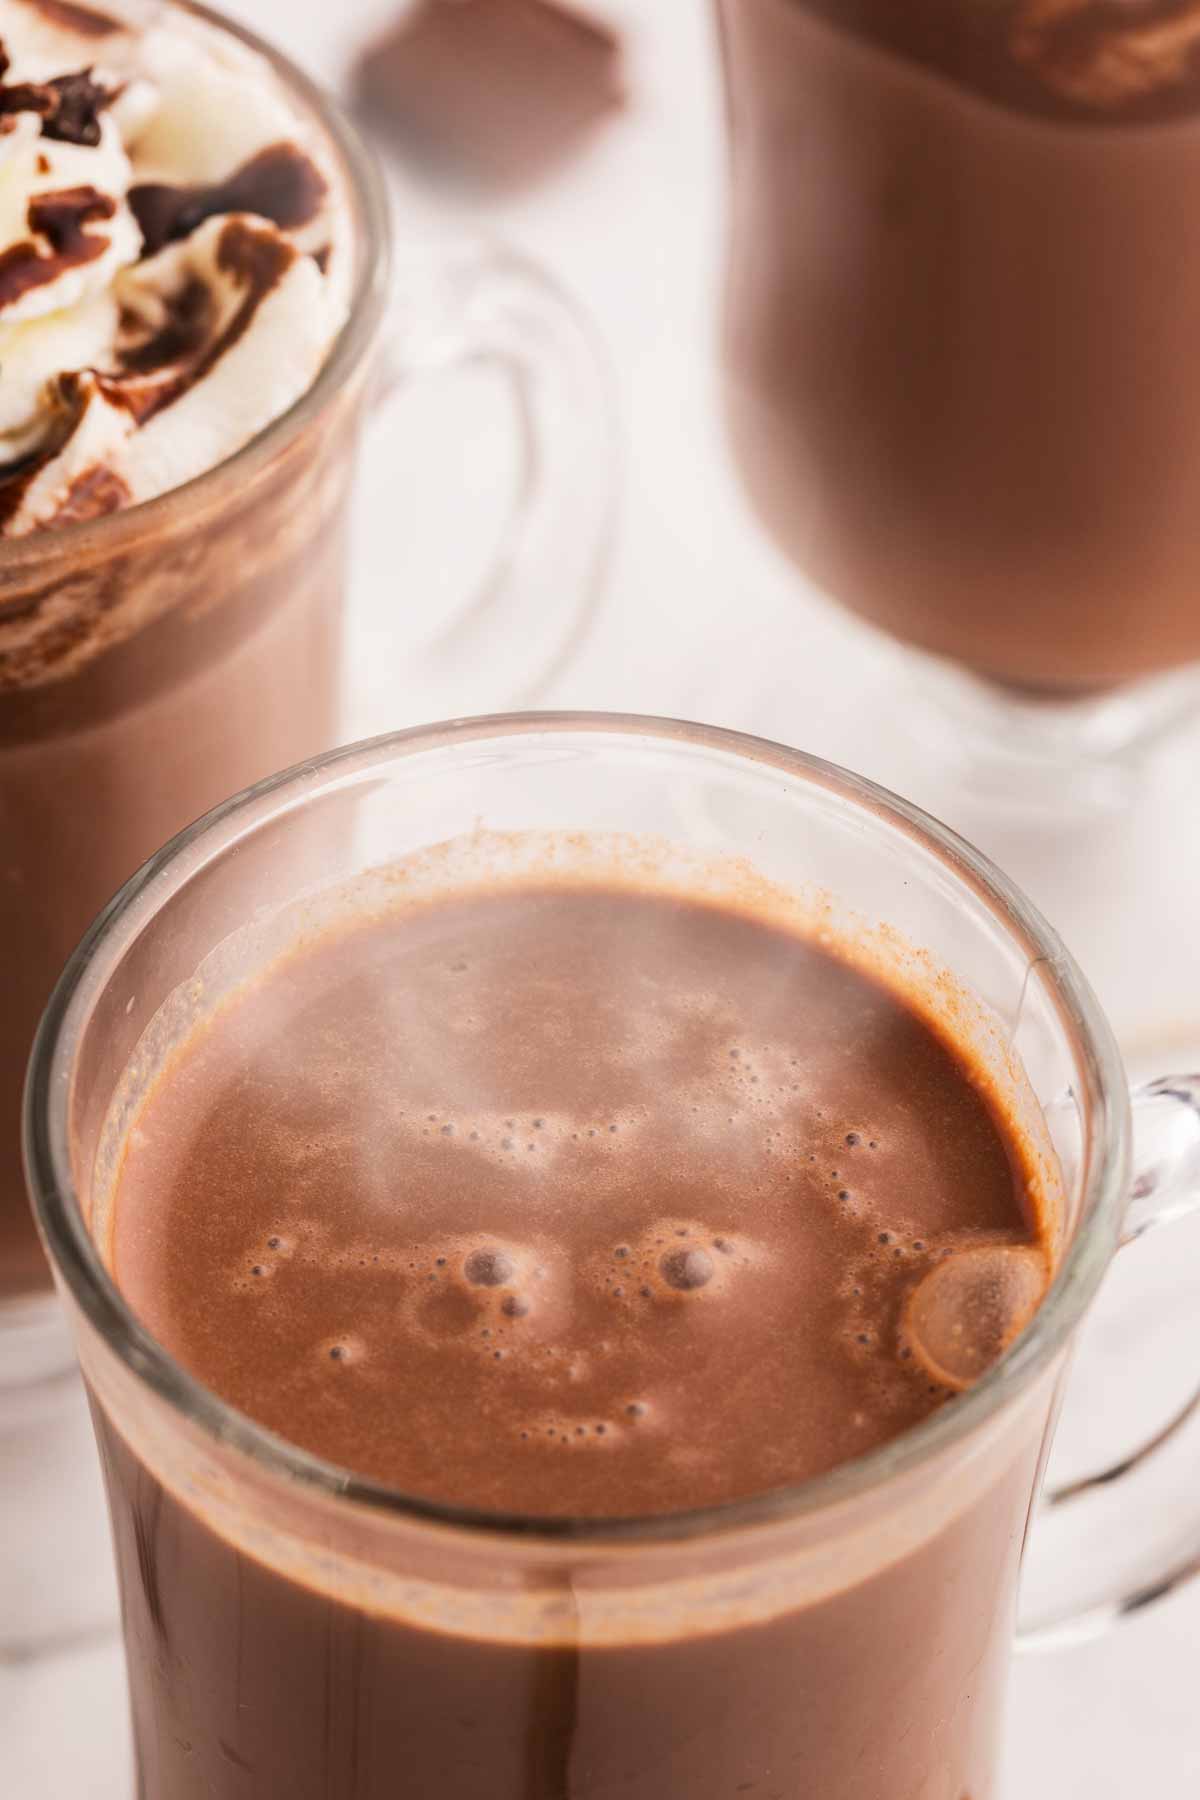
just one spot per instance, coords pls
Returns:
(494, 92)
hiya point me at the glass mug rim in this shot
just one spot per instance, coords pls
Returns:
(79, 1266)
(365, 179)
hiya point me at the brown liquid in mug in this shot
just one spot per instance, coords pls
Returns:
(235, 674)
(963, 275)
(567, 1202)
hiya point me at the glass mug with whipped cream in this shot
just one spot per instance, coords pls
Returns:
(193, 280)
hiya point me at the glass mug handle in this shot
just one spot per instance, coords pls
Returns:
(1100, 1508)
(484, 304)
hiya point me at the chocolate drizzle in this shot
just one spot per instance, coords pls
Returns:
(93, 492)
(84, 21)
(59, 218)
(167, 342)
(189, 324)
(18, 477)
(280, 184)
(258, 262)
(162, 368)
(156, 370)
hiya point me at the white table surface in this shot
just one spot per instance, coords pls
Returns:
(700, 618)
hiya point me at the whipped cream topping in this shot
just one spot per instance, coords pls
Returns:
(174, 254)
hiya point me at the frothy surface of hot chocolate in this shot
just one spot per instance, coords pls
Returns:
(576, 1202)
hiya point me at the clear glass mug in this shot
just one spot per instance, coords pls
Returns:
(963, 265)
(157, 660)
(295, 1630)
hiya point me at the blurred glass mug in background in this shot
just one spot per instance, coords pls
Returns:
(295, 1628)
(159, 658)
(963, 271)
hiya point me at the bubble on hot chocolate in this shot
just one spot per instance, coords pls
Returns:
(970, 1307)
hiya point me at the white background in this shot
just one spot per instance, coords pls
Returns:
(699, 618)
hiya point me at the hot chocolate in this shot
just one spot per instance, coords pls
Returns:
(570, 1202)
(963, 271)
(178, 242)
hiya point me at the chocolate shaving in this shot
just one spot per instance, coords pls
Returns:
(69, 106)
(280, 184)
(80, 103)
(59, 218)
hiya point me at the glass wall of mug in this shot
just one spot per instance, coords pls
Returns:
(962, 272)
(158, 658)
(323, 1631)
(153, 661)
